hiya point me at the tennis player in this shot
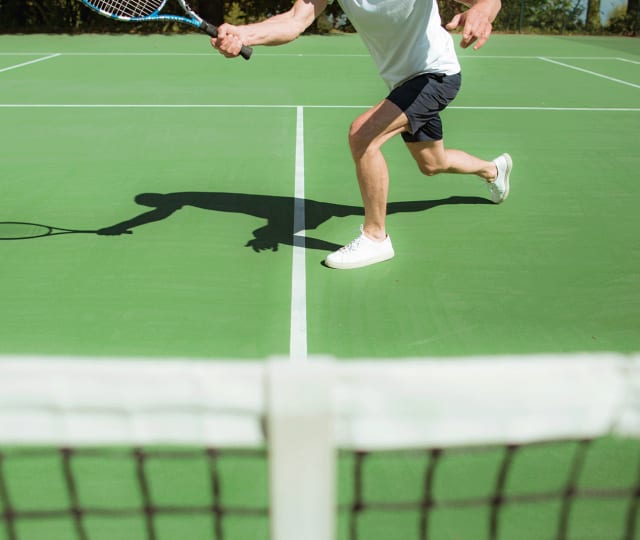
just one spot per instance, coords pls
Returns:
(415, 56)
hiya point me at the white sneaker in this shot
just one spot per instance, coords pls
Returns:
(499, 188)
(360, 252)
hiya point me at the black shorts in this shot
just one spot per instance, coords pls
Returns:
(421, 99)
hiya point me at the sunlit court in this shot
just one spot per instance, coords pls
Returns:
(177, 361)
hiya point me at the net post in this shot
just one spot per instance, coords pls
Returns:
(302, 457)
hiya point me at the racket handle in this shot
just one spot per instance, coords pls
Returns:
(212, 30)
(246, 52)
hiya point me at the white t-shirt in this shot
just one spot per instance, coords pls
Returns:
(405, 37)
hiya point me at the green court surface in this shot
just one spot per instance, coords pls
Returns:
(218, 267)
(555, 269)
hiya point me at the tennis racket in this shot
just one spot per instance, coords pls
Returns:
(149, 10)
(19, 230)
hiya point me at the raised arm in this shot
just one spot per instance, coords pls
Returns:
(276, 30)
(476, 21)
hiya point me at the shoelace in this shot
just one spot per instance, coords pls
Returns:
(352, 246)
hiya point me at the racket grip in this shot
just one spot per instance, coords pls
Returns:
(246, 52)
(212, 30)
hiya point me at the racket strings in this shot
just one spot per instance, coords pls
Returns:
(129, 8)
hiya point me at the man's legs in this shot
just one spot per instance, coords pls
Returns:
(433, 158)
(367, 135)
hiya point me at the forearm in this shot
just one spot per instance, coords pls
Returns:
(270, 32)
(284, 27)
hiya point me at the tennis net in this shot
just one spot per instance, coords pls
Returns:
(516, 448)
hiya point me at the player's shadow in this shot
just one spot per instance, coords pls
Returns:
(278, 211)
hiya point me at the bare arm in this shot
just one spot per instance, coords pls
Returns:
(276, 30)
(476, 21)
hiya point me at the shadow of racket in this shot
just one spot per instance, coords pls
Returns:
(21, 230)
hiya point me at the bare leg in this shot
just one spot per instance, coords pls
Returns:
(367, 135)
(433, 158)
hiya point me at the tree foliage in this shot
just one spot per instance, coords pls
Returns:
(593, 23)
(70, 16)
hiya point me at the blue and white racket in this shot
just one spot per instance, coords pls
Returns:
(149, 10)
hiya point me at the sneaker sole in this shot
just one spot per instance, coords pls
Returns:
(506, 179)
(360, 264)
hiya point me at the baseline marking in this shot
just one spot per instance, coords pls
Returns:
(627, 60)
(589, 72)
(298, 338)
(30, 62)
(288, 55)
(276, 106)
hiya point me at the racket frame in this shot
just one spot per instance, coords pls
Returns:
(194, 20)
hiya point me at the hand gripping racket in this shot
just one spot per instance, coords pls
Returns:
(149, 10)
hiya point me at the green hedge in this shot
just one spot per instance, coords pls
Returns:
(70, 16)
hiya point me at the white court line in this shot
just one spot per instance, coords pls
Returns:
(107, 54)
(298, 337)
(210, 54)
(627, 60)
(29, 62)
(589, 72)
(143, 106)
(553, 109)
(328, 55)
(265, 106)
(523, 57)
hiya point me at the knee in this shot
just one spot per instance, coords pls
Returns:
(430, 169)
(359, 142)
